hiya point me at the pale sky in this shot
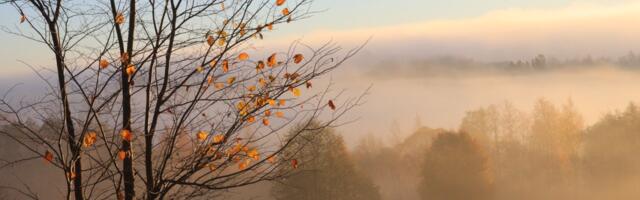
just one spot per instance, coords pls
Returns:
(426, 21)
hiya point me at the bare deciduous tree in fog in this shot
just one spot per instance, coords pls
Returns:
(167, 99)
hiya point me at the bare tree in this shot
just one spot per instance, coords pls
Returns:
(168, 99)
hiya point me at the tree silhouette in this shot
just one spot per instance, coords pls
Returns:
(456, 168)
(326, 170)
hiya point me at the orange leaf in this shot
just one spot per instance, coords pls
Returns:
(209, 79)
(89, 139)
(271, 102)
(210, 40)
(270, 26)
(285, 11)
(279, 2)
(243, 165)
(243, 56)
(254, 154)
(225, 66)
(260, 66)
(265, 121)
(119, 18)
(71, 175)
(281, 102)
(280, 114)
(251, 88)
(298, 58)
(331, 105)
(294, 163)
(104, 63)
(48, 156)
(124, 57)
(271, 61)
(309, 84)
(131, 69)
(219, 85)
(23, 18)
(122, 155)
(251, 119)
(126, 135)
(202, 135)
(267, 112)
(230, 80)
(218, 138)
(272, 159)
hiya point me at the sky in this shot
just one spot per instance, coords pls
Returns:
(426, 28)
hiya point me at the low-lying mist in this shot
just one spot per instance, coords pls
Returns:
(438, 92)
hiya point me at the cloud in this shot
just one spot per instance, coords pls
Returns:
(573, 31)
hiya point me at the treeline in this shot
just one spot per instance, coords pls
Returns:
(501, 152)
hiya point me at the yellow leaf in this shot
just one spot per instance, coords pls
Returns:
(241, 105)
(298, 58)
(262, 82)
(199, 69)
(296, 92)
(202, 135)
(243, 56)
(221, 41)
(104, 63)
(119, 18)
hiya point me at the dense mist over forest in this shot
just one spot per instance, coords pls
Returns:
(447, 127)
